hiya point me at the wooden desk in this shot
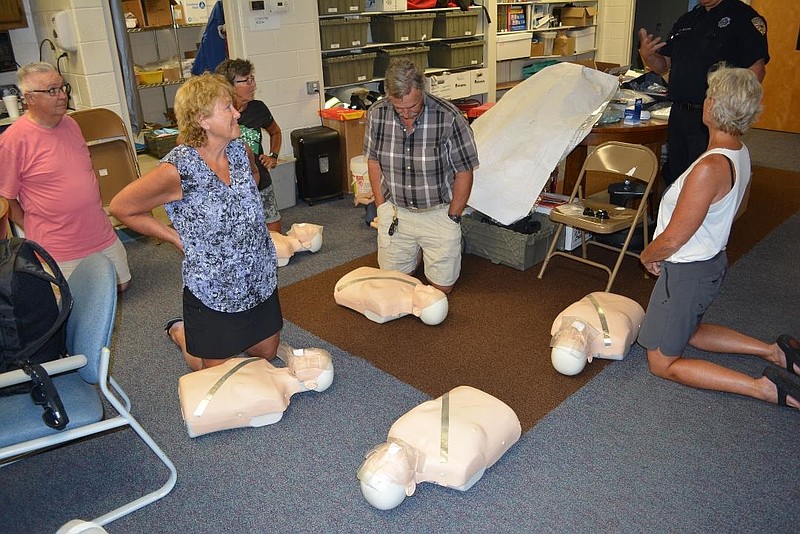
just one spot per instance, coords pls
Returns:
(652, 134)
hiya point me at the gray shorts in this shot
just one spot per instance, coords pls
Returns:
(271, 213)
(680, 298)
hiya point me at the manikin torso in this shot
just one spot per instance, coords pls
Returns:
(600, 325)
(300, 237)
(255, 393)
(383, 295)
(449, 441)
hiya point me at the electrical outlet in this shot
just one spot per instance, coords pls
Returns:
(312, 88)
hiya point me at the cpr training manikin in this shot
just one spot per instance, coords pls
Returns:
(383, 296)
(250, 391)
(600, 325)
(300, 237)
(449, 441)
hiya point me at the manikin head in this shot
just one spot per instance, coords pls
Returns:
(387, 475)
(429, 304)
(309, 235)
(571, 346)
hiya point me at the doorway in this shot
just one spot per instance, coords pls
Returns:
(657, 18)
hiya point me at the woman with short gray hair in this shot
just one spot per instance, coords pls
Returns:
(688, 256)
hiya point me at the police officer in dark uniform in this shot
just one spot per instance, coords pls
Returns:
(714, 31)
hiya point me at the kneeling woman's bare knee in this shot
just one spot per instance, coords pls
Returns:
(266, 348)
(659, 363)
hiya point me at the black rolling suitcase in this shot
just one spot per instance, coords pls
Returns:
(317, 164)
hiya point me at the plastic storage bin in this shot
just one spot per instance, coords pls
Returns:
(402, 28)
(456, 54)
(352, 68)
(456, 24)
(548, 38)
(584, 39)
(351, 32)
(417, 54)
(341, 7)
(317, 165)
(501, 245)
(513, 45)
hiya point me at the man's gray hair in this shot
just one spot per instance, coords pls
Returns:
(737, 99)
(402, 76)
(32, 68)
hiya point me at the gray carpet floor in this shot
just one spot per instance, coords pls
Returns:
(627, 453)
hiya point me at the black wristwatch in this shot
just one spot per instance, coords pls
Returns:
(273, 155)
(455, 218)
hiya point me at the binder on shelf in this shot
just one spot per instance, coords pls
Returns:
(517, 19)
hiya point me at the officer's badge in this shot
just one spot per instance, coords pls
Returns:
(760, 25)
(723, 22)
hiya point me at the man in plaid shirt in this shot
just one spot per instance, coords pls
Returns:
(421, 155)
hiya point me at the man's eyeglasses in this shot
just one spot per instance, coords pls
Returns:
(53, 91)
(250, 80)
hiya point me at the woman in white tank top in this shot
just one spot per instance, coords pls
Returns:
(688, 255)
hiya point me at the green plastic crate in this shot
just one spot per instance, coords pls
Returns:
(417, 54)
(402, 28)
(350, 32)
(341, 7)
(352, 68)
(504, 246)
(456, 54)
(456, 24)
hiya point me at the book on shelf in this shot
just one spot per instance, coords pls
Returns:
(517, 18)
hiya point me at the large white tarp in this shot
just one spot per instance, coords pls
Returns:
(522, 138)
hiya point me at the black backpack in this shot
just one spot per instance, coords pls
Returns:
(32, 324)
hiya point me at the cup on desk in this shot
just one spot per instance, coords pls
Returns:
(12, 106)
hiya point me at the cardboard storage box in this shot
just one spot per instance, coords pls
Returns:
(135, 7)
(478, 81)
(513, 45)
(351, 32)
(402, 28)
(195, 12)
(456, 24)
(351, 142)
(386, 5)
(563, 45)
(537, 48)
(158, 12)
(577, 16)
(343, 70)
(501, 245)
(449, 85)
(340, 7)
(456, 54)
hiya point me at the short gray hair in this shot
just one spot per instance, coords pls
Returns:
(737, 99)
(402, 76)
(32, 68)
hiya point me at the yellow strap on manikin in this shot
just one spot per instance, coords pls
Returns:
(445, 429)
(201, 408)
(603, 321)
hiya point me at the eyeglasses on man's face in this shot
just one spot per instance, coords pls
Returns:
(250, 80)
(54, 91)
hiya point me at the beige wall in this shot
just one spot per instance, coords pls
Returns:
(285, 56)
(93, 69)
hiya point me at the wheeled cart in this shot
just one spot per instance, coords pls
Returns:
(317, 163)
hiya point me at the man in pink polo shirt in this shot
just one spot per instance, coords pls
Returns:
(48, 179)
